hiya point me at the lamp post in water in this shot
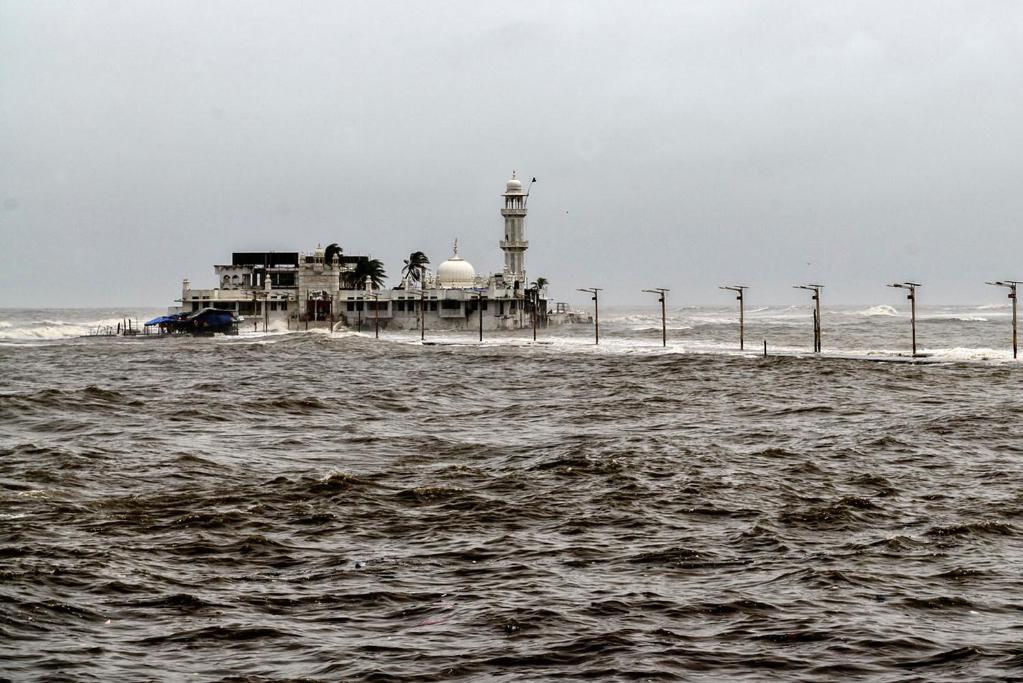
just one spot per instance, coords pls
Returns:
(816, 289)
(535, 297)
(422, 314)
(911, 286)
(739, 289)
(536, 307)
(376, 315)
(661, 292)
(596, 311)
(479, 309)
(1011, 285)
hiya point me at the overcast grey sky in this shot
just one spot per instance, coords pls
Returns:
(678, 144)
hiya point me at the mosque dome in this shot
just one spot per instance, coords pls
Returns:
(514, 186)
(456, 272)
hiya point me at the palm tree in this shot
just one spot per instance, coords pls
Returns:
(366, 267)
(540, 283)
(415, 266)
(328, 253)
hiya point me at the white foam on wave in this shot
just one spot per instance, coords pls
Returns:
(22, 344)
(41, 330)
(245, 327)
(954, 318)
(633, 347)
(281, 333)
(713, 320)
(657, 328)
(961, 353)
(649, 323)
(251, 337)
(780, 316)
(877, 311)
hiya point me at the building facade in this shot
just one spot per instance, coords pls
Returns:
(322, 289)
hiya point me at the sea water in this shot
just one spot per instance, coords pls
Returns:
(322, 506)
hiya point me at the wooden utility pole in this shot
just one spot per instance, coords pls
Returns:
(596, 311)
(422, 314)
(911, 286)
(1011, 285)
(739, 289)
(661, 293)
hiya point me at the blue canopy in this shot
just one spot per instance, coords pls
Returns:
(212, 317)
(205, 321)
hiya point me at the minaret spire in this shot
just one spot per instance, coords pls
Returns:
(514, 244)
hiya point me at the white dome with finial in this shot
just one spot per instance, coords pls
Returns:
(456, 272)
(514, 186)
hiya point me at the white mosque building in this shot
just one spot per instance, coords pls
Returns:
(292, 290)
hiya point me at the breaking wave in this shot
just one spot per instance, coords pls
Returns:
(878, 311)
(55, 329)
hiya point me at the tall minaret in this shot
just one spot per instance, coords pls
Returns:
(514, 244)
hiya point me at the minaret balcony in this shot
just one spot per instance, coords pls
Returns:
(514, 244)
(513, 211)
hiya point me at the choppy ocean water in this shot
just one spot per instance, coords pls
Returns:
(335, 507)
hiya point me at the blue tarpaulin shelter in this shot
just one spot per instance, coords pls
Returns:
(211, 318)
(204, 322)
